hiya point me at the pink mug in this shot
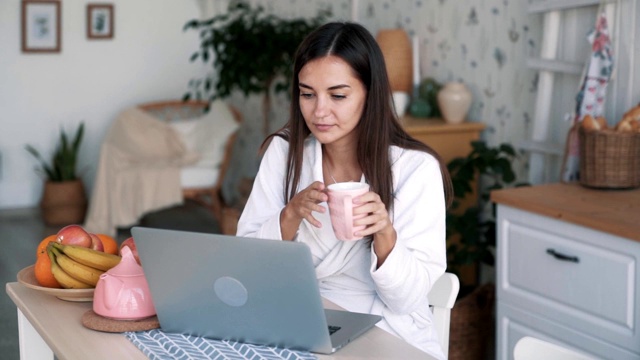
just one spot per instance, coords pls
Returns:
(341, 208)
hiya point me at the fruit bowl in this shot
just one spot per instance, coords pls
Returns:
(27, 278)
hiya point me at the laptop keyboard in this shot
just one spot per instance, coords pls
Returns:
(333, 329)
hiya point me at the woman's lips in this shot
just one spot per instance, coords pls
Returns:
(323, 127)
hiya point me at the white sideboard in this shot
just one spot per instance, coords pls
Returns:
(568, 269)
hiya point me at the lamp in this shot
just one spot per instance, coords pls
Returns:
(396, 49)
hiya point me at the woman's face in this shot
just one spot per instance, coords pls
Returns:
(331, 100)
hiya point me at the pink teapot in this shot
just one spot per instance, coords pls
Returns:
(122, 293)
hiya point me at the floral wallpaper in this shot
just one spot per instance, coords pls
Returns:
(483, 43)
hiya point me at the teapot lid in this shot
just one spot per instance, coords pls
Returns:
(128, 266)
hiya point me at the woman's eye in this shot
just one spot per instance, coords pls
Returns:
(339, 97)
(306, 95)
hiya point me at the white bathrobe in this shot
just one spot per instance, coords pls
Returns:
(347, 271)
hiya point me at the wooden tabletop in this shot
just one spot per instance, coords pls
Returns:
(58, 323)
(612, 211)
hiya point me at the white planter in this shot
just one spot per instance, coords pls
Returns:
(400, 102)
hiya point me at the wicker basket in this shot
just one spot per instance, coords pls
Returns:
(472, 324)
(609, 159)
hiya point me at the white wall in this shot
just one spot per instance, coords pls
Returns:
(89, 80)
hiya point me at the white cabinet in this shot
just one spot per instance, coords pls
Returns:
(566, 283)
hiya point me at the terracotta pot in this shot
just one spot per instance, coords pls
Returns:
(63, 203)
(454, 100)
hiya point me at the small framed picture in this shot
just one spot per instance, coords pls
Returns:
(41, 26)
(100, 21)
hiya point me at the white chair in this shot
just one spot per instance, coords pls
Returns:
(442, 296)
(530, 348)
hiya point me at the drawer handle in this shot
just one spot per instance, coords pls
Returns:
(563, 257)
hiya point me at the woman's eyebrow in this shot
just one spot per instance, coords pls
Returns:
(342, 86)
(335, 87)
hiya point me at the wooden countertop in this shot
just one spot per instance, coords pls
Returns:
(612, 211)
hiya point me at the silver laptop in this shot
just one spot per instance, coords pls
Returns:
(249, 290)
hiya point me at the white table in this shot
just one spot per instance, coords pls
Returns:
(48, 326)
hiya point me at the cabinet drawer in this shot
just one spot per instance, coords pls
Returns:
(579, 277)
(514, 324)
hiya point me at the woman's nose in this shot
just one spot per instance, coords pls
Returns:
(322, 109)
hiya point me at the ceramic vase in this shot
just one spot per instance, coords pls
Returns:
(454, 100)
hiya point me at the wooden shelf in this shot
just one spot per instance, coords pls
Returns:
(449, 140)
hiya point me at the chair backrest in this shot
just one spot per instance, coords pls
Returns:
(530, 348)
(442, 297)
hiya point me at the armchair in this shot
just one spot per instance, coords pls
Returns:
(202, 181)
(158, 154)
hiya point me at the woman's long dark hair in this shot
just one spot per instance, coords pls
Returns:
(378, 128)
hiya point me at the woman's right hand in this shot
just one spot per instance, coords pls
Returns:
(302, 206)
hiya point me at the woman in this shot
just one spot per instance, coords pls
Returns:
(342, 128)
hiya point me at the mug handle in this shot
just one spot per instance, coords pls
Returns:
(348, 215)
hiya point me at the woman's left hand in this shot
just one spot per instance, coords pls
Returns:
(376, 222)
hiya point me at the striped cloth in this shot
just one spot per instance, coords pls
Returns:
(158, 345)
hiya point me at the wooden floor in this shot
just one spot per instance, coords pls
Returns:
(20, 233)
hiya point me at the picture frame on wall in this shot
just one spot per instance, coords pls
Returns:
(100, 24)
(41, 26)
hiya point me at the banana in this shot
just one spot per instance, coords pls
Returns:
(93, 258)
(64, 279)
(76, 270)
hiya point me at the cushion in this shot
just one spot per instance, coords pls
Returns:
(192, 177)
(207, 135)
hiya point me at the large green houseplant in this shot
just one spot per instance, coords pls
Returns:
(63, 199)
(250, 51)
(471, 234)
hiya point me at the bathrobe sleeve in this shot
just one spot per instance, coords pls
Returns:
(419, 256)
(261, 215)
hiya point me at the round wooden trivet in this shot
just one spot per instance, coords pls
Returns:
(94, 321)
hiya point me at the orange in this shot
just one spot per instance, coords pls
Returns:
(42, 271)
(42, 247)
(110, 244)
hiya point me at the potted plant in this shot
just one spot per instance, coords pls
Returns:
(63, 199)
(250, 51)
(471, 234)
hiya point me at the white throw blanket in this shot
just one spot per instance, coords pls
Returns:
(139, 171)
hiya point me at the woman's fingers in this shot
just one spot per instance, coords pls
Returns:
(307, 201)
(376, 216)
(368, 203)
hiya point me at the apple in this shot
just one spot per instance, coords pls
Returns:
(74, 235)
(132, 246)
(96, 243)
